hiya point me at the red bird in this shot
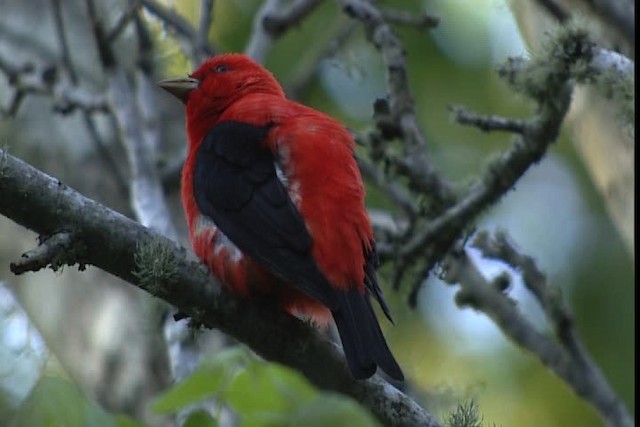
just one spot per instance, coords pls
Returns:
(274, 203)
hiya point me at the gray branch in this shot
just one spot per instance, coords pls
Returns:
(565, 355)
(399, 115)
(50, 252)
(196, 47)
(112, 242)
(487, 123)
(270, 23)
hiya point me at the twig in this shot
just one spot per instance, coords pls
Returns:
(139, 132)
(182, 28)
(67, 107)
(202, 37)
(487, 123)
(270, 23)
(401, 109)
(29, 80)
(419, 21)
(500, 247)
(109, 239)
(551, 90)
(123, 21)
(393, 190)
(52, 251)
(619, 16)
(502, 174)
(62, 39)
(306, 72)
(555, 10)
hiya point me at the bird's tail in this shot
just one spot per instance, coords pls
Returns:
(364, 345)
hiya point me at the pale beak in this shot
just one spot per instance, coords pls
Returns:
(179, 87)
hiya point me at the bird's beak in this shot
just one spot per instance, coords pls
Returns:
(179, 87)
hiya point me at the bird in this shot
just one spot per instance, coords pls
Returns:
(275, 204)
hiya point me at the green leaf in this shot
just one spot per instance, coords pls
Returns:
(200, 418)
(125, 421)
(204, 382)
(332, 410)
(269, 388)
(56, 402)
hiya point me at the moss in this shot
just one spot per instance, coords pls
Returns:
(465, 415)
(566, 54)
(155, 264)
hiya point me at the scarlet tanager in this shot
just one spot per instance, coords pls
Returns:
(274, 203)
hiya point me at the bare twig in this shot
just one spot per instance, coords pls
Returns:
(306, 72)
(555, 10)
(401, 109)
(270, 23)
(552, 92)
(419, 21)
(30, 80)
(182, 28)
(498, 246)
(52, 251)
(487, 123)
(393, 190)
(62, 38)
(87, 118)
(139, 133)
(202, 38)
(123, 21)
(619, 15)
(501, 176)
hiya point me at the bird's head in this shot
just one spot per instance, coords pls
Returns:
(220, 81)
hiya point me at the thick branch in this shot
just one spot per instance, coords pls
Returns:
(111, 242)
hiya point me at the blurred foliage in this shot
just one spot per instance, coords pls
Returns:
(259, 394)
(55, 402)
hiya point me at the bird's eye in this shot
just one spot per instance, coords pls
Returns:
(221, 69)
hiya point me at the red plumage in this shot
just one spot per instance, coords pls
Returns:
(274, 203)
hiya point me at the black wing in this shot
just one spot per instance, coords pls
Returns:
(236, 185)
(371, 279)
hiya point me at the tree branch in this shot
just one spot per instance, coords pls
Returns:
(113, 243)
(487, 123)
(198, 48)
(402, 17)
(50, 252)
(566, 357)
(84, 107)
(399, 115)
(270, 23)
(619, 15)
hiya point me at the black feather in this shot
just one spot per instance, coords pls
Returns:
(236, 185)
(362, 340)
